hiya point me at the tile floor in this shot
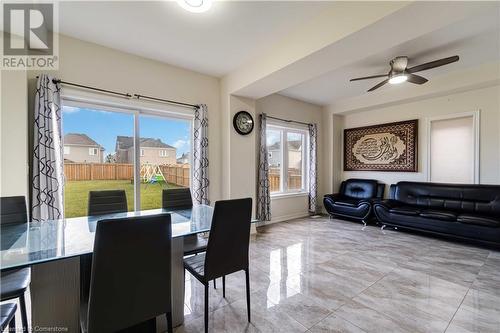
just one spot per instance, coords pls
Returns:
(328, 275)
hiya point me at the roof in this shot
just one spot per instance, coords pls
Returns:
(126, 142)
(79, 139)
(295, 145)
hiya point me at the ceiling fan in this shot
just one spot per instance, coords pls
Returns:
(400, 73)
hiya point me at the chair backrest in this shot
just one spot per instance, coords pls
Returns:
(359, 188)
(177, 198)
(227, 249)
(131, 272)
(107, 202)
(13, 210)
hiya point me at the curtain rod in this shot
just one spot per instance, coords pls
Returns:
(166, 101)
(288, 120)
(127, 95)
(91, 88)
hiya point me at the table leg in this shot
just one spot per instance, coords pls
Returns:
(177, 287)
(55, 295)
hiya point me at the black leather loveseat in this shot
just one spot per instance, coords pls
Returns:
(354, 199)
(461, 211)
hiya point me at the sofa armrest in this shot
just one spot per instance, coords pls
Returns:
(380, 191)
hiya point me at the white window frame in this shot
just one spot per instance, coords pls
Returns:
(93, 151)
(476, 129)
(163, 153)
(142, 152)
(284, 130)
(67, 150)
(86, 99)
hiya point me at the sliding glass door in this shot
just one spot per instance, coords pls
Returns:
(164, 154)
(123, 149)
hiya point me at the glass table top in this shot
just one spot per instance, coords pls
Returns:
(36, 242)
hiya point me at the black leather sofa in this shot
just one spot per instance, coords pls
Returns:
(461, 211)
(355, 199)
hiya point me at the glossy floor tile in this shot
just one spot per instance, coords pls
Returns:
(328, 275)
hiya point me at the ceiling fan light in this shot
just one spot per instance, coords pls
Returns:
(195, 6)
(396, 79)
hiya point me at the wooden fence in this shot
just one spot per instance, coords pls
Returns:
(176, 174)
(294, 179)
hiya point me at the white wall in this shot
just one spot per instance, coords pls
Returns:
(94, 65)
(487, 100)
(13, 134)
(284, 107)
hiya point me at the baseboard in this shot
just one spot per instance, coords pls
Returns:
(282, 218)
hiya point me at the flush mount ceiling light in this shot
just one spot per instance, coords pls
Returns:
(195, 6)
(399, 78)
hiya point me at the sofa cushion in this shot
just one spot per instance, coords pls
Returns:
(347, 202)
(479, 220)
(439, 215)
(405, 210)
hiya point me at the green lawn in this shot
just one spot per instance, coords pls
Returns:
(76, 194)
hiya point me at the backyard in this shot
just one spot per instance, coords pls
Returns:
(77, 191)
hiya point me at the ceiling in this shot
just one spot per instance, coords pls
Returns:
(215, 42)
(475, 39)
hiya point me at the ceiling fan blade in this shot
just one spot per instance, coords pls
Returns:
(368, 77)
(433, 64)
(416, 79)
(379, 85)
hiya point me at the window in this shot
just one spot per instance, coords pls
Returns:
(108, 154)
(67, 150)
(452, 156)
(287, 159)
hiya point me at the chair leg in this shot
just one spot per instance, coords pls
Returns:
(206, 307)
(215, 285)
(170, 328)
(224, 286)
(248, 292)
(24, 316)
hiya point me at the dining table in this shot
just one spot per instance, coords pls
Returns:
(53, 250)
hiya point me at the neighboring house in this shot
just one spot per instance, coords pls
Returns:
(79, 148)
(294, 154)
(152, 151)
(184, 159)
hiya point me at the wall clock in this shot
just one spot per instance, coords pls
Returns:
(243, 122)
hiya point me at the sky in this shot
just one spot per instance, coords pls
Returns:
(103, 127)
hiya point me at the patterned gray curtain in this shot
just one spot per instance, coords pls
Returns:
(200, 155)
(48, 173)
(263, 192)
(313, 166)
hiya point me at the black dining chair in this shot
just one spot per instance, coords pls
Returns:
(227, 249)
(107, 202)
(131, 274)
(15, 282)
(177, 199)
(7, 319)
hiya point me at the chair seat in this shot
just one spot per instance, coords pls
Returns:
(194, 244)
(196, 266)
(439, 215)
(14, 283)
(405, 211)
(348, 202)
(8, 311)
(479, 220)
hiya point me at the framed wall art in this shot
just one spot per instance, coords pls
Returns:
(385, 147)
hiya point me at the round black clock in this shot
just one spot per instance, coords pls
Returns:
(243, 122)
